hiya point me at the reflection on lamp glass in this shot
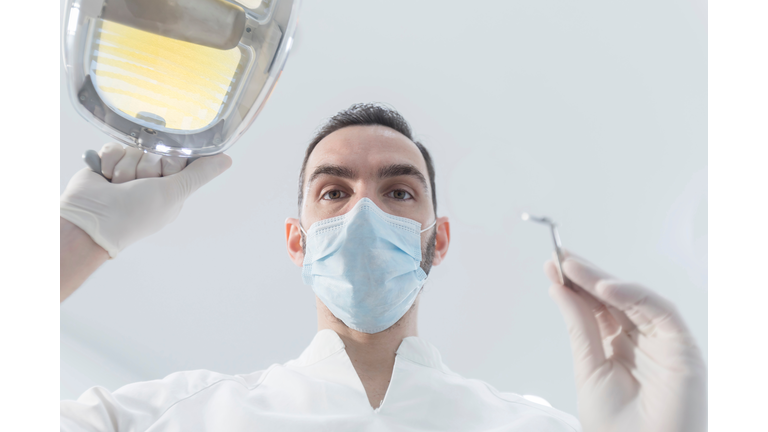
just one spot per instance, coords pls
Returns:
(250, 4)
(74, 14)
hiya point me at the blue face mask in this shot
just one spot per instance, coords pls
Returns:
(365, 266)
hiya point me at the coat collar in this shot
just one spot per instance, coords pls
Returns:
(327, 344)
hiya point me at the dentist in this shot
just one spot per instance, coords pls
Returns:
(366, 239)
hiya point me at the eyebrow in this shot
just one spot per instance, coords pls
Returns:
(331, 170)
(397, 170)
(389, 171)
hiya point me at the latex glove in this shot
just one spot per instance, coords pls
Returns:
(636, 363)
(146, 193)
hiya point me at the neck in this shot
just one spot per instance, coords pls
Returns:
(372, 355)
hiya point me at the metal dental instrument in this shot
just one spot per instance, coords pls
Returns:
(558, 246)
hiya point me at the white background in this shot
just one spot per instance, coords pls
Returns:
(593, 113)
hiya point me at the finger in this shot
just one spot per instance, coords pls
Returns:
(149, 166)
(551, 270)
(125, 170)
(583, 330)
(607, 322)
(621, 319)
(649, 311)
(110, 155)
(199, 173)
(567, 253)
(584, 273)
(172, 165)
(587, 276)
(597, 274)
(85, 175)
(639, 305)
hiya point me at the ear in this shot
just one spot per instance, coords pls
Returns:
(442, 239)
(293, 241)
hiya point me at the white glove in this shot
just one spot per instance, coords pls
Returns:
(636, 363)
(146, 193)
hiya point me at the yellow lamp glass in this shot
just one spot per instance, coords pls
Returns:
(147, 76)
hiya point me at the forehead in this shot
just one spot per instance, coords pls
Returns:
(366, 147)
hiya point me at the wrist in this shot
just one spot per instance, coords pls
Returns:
(74, 239)
(79, 257)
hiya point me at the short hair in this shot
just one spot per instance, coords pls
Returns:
(367, 114)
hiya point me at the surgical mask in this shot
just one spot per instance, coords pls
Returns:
(365, 266)
(179, 78)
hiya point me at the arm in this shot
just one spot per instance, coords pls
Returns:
(100, 218)
(79, 257)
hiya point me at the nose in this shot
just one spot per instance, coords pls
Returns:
(371, 197)
(366, 189)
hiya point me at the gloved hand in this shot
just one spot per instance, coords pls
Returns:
(637, 365)
(146, 193)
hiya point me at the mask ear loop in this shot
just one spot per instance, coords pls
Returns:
(429, 227)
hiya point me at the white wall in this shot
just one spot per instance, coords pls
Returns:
(592, 112)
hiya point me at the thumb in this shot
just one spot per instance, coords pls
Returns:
(583, 330)
(199, 173)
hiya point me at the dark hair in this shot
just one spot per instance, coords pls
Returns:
(367, 114)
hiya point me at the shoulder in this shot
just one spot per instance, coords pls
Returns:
(183, 384)
(138, 405)
(528, 412)
(512, 409)
(540, 411)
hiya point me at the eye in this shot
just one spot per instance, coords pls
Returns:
(334, 195)
(399, 194)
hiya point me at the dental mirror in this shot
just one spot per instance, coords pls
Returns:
(558, 246)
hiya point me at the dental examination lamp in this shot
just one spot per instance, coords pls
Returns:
(181, 78)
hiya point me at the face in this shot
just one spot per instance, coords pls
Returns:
(373, 162)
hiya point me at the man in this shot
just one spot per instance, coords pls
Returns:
(367, 236)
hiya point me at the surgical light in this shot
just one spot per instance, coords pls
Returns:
(175, 77)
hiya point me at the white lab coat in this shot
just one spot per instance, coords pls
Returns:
(319, 391)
